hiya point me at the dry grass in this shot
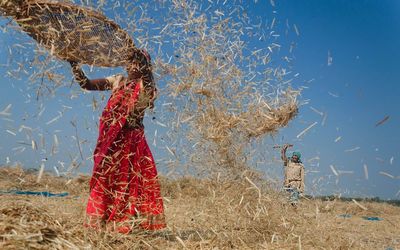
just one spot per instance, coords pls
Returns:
(201, 214)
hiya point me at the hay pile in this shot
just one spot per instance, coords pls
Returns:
(24, 225)
(34, 222)
(206, 214)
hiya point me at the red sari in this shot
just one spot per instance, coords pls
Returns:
(124, 188)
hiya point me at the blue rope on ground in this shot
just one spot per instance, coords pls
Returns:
(35, 193)
(372, 218)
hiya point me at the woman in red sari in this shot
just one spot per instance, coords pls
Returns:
(124, 188)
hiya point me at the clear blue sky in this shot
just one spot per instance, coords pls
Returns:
(357, 89)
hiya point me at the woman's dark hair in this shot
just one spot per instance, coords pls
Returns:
(141, 57)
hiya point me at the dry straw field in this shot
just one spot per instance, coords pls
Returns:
(201, 214)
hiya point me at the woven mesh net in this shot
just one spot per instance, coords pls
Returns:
(75, 33)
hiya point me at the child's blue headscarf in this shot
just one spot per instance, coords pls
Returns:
(297, 154)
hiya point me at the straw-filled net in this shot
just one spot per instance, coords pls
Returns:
(75, 33)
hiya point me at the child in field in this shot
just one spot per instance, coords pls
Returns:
(294, 174)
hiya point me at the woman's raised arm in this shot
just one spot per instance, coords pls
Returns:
(85, 83)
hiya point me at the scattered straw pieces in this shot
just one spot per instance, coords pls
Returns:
(40, 174)
(334, 170)
(333, 95)
(6, 111)
(358, 204)
(255, 186)
(324, 119)
(385, 119)
(11, 132)
(352, 149)
(386, 174)
(345, 172)
(330, 59)
(54, 119)
(366, 171)
(34, 145)
(316, 158)
(296, 29)
(180, 241)
(272, 2)
(317, 111)
(306, 129)
(161, 124)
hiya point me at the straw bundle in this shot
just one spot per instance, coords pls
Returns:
(72, 32)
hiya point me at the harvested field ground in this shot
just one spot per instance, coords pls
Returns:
(201, 214)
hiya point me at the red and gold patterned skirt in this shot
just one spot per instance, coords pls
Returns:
(126, 190)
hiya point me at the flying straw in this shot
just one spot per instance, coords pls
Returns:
(305, 130)
(39, 177)
(334, 170)
(358, 204)
(385, 119)
(5, 112)
(352, 149)
(386, 174)
(366, 171)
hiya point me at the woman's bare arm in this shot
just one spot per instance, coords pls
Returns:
(85, 83)
(283, 154)
(302, 179)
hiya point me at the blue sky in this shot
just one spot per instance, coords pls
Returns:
(357, 89)
(362, 39)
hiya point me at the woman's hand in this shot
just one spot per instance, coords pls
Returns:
(73, 63)
(86, 83)
(153, 98)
